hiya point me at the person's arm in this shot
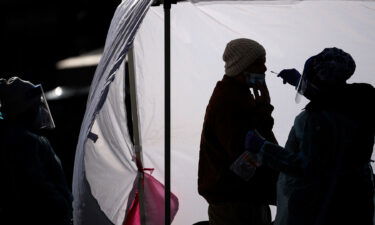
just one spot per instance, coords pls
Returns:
(231, 127)
(306, 152)
(281, 159)
(41, 173)
(263, 112)
(290, 76)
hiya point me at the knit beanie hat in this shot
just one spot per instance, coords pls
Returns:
(241, 53)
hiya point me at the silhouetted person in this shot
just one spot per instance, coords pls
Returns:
(326, 177)
(232, 110)
(33, 186)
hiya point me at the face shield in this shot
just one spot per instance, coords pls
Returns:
(21, 99)
(43, 118)
(306, 88)
(299, 92)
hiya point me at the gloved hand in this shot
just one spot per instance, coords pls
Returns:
(253, 141)
(290, 76)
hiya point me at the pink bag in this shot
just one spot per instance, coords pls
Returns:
(153, 204)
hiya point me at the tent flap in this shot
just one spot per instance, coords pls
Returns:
(113, 152)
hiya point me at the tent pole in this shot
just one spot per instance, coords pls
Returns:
(167, 104)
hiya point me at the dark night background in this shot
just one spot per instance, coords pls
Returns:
(34, 36)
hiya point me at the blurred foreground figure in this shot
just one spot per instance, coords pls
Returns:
(237, 192)
(326, 177)
(33, 186)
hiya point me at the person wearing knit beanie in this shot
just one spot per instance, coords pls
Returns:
(237, 194)
(240, 53)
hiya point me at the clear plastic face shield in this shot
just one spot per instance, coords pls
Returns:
(44, 118)
(306, 88)
(300, 87)
(19, 97)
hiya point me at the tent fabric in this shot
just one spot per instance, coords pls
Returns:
(290, 31)
(104, 171)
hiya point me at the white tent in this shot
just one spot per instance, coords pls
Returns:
(291, 31)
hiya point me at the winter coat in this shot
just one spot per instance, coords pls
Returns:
(326, 178)
(230, 113)
(33, 186)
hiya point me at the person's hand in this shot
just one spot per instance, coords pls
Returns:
(253, 141)
(290, 76)
(261, 94)
(253, 162)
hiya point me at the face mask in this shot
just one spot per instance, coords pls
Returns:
(255, 78)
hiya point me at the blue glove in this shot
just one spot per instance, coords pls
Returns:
(290, 76)
(253, 141)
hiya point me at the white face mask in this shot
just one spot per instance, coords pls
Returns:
(255, 78)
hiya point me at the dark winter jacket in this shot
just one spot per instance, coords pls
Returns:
(33, 186)
(230, 114)
(326, 178)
